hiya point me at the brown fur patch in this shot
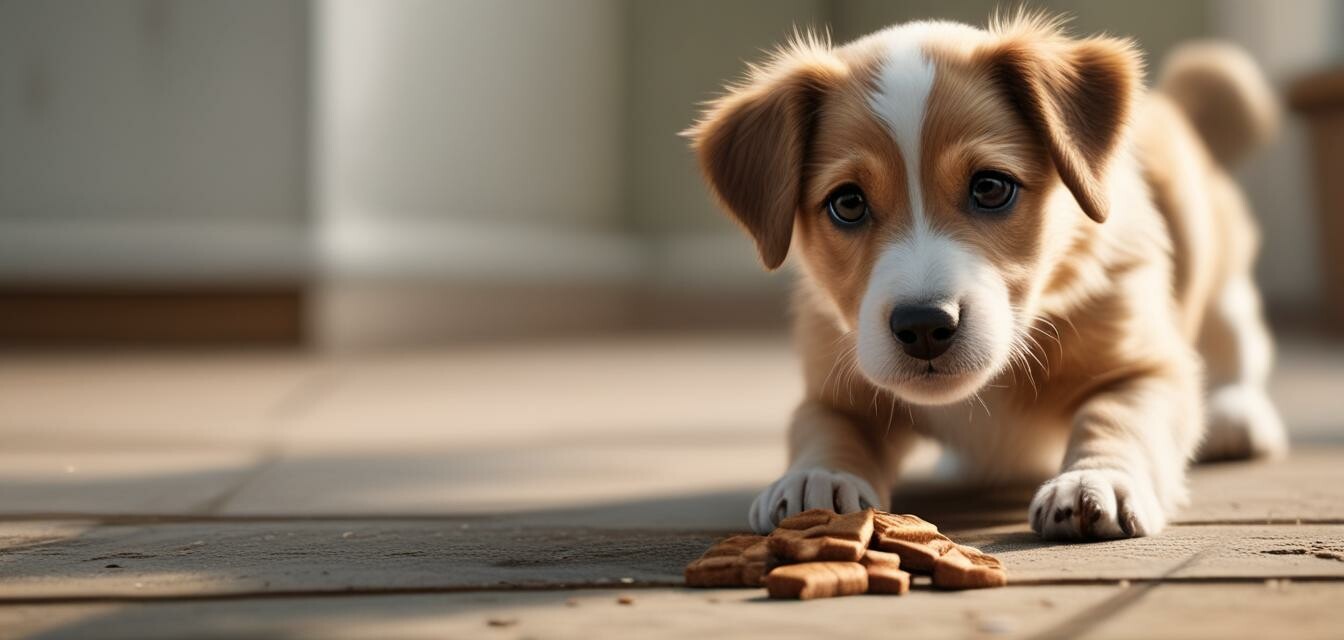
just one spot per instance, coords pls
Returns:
(1076, 94)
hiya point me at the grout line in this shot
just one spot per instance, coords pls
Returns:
(211, 507)
(302, 396)
(1069, 629)
(203, 516)
(1168, 579)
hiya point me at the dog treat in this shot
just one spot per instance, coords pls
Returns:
(755, 563)
(817, 580)
(901, 524)
(738, 561)
(818, 535)
(807, 519)
(857, 526)
(731, 546)
(819, 554)
(917, 542)
(965, 567)
(875, 558)
(887, 580)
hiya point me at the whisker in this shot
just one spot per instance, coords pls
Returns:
(891, 415)
(982, 404)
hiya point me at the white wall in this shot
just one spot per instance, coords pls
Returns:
(152, 140)
(472, 137)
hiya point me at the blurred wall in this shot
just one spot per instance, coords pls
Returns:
(468, 167)
(1289, 40)
(681, 54)
(149, 140)
(470, 171)
(459, 122)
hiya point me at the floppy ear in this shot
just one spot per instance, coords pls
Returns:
(752, 142)
(1077, 95)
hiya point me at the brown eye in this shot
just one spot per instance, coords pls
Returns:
(992, 192)
(847, 206)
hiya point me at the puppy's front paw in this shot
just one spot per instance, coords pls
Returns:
(813, 488)
(1096, 504)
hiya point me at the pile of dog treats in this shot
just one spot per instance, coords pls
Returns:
(820, 554)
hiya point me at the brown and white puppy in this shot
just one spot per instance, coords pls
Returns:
(944, 189)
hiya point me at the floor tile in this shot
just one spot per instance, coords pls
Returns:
(397, 481)
(56, 401)
(1308, 485)
(196, 558)
(655, 613)
(1180, 552)
(186, 558)
(119, 482)
(535, 395)
(1268, 610)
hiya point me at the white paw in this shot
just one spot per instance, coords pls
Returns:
(1242, 423)
(1096, 504)
(813, 488)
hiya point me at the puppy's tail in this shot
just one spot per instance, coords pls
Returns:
(1225, 95)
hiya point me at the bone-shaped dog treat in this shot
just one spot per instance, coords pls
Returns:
(924, 550)
(738, 561)
(886, 580)
(965, 567)
(875, 558)
(917, 542)
(819, 535)
(817, 580)
(884, 573)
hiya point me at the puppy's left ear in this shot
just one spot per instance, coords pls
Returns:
(1077, 95)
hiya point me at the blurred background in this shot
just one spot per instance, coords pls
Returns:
(345, 175)
(278, 277)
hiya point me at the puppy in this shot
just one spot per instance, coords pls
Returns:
(1008, 244)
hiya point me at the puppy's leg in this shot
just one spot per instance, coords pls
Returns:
(1238, 353)
(837, 462)
(1124, 471)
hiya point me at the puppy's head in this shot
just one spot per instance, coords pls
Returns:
(930, 177)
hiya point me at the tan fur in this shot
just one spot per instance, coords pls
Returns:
(1108, 375)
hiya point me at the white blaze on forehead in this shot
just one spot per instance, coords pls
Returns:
(903, 85)
(904, 81)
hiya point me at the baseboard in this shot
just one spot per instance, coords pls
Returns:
(151, 315)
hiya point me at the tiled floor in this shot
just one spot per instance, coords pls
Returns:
(519, 491)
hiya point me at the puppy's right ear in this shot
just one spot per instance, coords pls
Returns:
(752, 142)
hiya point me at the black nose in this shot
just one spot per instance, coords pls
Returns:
(924, 332)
